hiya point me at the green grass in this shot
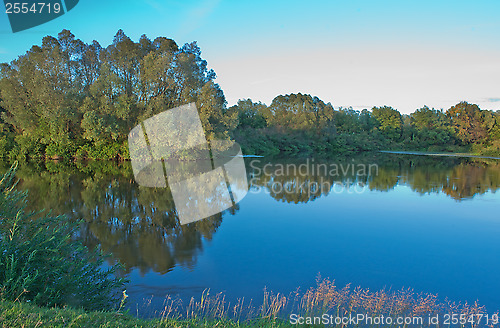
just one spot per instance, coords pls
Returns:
(212, 310)
(17, 314)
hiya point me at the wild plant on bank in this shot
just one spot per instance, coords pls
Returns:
(325, 298)
(40, 262)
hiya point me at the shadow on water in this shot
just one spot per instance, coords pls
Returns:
(458, 178)
(140, 227)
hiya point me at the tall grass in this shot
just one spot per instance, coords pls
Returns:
(40, 262)
(324, 298)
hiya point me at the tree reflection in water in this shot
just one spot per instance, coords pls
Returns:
(139, 226)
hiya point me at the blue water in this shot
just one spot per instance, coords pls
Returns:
(430, 224)
(430, 243)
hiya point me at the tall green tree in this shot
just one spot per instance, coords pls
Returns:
(300, 112)
(5, 134)
(390, 121)
(348, 120)
(495, 130)
(250, 114)
(366, 120)
(426, 118)
(67, 97)
(41, 93)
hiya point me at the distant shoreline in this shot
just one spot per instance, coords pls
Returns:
(436, 154)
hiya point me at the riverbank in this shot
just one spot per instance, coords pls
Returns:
(423, 153)
(16, 314)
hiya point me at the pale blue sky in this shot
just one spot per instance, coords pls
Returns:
(351, 53)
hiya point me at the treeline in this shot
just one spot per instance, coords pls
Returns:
(299, 123)
(69, 99)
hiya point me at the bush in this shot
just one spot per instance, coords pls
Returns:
(59, 150)
(26, 147)
(4, 147)
(40, 262)
(103, 151)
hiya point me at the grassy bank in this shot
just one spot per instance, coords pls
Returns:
(274, 312)
(423, 153)
(16, 314)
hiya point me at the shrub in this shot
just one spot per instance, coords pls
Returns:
(4, 147)
(59, 150)
(40, 262)
(26, 147)
(103, 151)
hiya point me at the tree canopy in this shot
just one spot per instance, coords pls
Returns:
(67, 98)
(66, 95)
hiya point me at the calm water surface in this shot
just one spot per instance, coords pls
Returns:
(431, 224)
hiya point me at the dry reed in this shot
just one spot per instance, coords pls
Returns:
(324, 298)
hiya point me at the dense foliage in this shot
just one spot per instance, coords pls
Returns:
(70, 99)
(67, 98)
(299, 123)
(41, 263)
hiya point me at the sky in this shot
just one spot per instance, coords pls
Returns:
(359, 53)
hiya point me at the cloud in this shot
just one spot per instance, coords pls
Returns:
(493, 99)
